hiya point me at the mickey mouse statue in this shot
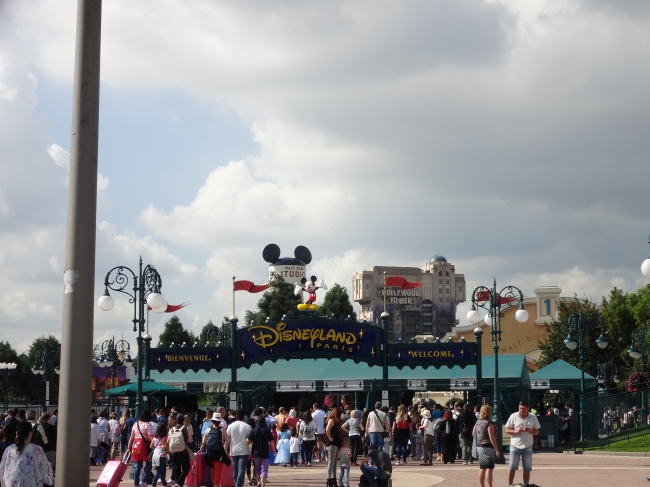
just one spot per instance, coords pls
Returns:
(310, 287)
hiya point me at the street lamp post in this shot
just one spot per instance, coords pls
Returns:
(606, 372)
(41, 367)
(578, 324)
(7, 369)
(637, 351)
(146, 292)
(496, 303)
(113, 353)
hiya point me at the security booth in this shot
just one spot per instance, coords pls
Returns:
(560, 376)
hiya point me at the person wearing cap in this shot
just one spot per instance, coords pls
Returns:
(215, 455)
(522, 427)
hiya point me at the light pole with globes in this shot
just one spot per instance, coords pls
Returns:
(605, 373)
(496, 303)
(146, 292)
(578, 324)
(111, 353)
(42, 366)
(7, 369)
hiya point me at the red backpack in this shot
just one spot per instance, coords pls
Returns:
(403, 423)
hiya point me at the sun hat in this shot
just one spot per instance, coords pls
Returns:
(216, 417)
(426, 414)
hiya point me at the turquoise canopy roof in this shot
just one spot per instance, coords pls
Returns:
(513, 373)
(562, 375)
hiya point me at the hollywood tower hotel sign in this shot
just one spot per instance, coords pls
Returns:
(428, 308)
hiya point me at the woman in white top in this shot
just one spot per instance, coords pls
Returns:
(307, 434)
(354, 428)
(427, 432)
(95, 439)
(25, 464)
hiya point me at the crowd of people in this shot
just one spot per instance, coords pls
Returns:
(341, 435)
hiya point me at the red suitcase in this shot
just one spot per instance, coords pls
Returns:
(113, 473)
(226, 476)
(198, 471)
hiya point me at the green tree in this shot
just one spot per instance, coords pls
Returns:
(337, 303)
(553, 348)
(32, 385)
(620, 324)
(175, 333)
(214, 338)
(277, 302)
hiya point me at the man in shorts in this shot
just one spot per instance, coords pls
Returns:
(522, 427)
(318, 415)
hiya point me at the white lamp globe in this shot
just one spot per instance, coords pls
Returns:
(473, 316)
(488, 319)
(571, 345)
(155, 300)
(162, 308)
(106, 302)
(521, 315)
(645, 268)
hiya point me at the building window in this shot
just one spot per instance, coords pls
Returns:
(367, 285)
(460, 289)
(440, 290)
(440, 300)
(447, 273)
(446, 281)
(447, 299)
(447, 290)
(439, 281)
(440, 273)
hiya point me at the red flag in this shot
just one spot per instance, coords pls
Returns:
(485, 296)
(249, 286)
(401, 282)
(173, 307)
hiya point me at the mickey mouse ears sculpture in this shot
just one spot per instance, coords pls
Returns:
(271, 254)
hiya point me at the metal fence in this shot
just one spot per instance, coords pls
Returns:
(612, 417)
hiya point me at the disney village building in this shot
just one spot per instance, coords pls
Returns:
(429, 309)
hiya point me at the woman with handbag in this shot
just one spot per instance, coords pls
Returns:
(139, 446)
(486, 445)
(378, 427)
(333, 444)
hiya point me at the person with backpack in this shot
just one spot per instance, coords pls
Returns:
(159, 455)
(213, 446)
(177, 439)
(48, 434)
(139, 442)
(465, 421)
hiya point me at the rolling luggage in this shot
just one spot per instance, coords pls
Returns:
(113, 473)
(198, 471)
(226, 476)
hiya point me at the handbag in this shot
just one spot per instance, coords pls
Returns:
(385, 433)
(147, 445)
(474, 451)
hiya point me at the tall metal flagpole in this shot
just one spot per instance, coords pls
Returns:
(73, 467)
(233, 296)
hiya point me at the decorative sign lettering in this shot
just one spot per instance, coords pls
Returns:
(343, 385)
(417, 385)
(297, 385)
(207, 358)
(432, 354)
(312, 338)
(540, 384)
(463, 384)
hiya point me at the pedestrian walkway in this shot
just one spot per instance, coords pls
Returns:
(549, 470)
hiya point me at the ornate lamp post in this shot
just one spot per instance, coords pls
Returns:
(42, 367)
(112, 354)
(146, 292)
(7, 369)
(496, 303)
(605, 373)
(637, 349)
(578, 324)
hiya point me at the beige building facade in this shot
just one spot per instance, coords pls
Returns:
(429, 309)
(517, 338)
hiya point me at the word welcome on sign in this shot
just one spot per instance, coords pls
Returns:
(432, 354)
(214, 358)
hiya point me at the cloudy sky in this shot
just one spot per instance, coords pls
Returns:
(509, 136)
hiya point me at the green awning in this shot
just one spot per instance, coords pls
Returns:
(513, 373)
(562, 376)
(149, 388)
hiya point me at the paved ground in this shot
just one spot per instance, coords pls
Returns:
(549, 470)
